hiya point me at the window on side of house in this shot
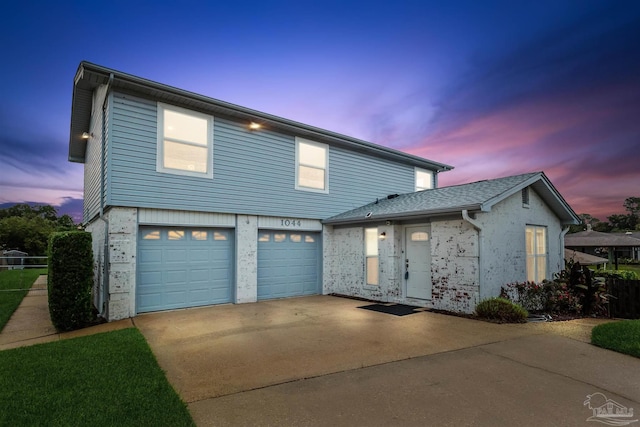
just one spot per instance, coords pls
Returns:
(424, 179)
(536, 242)
(371, 256)
(312, 165)
(185, 142)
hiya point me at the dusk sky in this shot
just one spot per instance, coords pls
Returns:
(494, 88)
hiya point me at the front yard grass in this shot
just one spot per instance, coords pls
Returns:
(14, 285)
(622, 336)
(106, 379)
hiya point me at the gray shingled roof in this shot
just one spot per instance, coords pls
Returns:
(584, 259)
(476, 196)
(592, 238)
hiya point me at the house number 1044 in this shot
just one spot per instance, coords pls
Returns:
(290, 223)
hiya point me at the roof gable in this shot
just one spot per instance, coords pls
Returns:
(478, 196)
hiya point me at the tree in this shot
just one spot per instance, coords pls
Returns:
(632, 205)
(27, 228)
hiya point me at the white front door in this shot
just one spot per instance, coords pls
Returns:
(418, 261)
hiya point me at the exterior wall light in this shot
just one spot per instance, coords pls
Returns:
(383, 235)
(255, 126)
(86, 135)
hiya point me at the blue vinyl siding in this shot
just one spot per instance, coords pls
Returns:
(253, 172)
(93, 169)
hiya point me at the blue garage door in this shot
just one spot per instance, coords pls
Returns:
(288, 264)
(183, 267)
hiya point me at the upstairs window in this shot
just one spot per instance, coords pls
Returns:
(311, 166)
(424, 179)
(185, 142)
(536, 241)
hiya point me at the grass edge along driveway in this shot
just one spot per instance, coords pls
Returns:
(105, 379)
(622, 336)
(14, 286)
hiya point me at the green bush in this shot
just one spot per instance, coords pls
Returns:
(618, 274)
(70, 280)
(502, 310)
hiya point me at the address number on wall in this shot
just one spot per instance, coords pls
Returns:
(291, 222)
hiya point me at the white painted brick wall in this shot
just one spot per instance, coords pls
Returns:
(246, 258)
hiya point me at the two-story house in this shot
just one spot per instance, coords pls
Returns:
(193, 201)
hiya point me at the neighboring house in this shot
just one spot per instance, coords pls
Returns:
(193, 201)
(12, 259)
(584, 259)
(612, 245)
(632, 252)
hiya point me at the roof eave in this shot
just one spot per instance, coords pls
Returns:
(405, 216)
(91, 75)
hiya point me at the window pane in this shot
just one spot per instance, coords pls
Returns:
(371, 241)
(185, 127)
(176, 234)
(372, 271)
(311, 177)
(264, 237)
(279, 237)
(312, 155)
(541, 268)
(185, 157)
(531, 269)
(419, 236)
(296, 238)
(220, 235)
(541, 244)
(151, 235)
(529, 241)
(424, 180)
(199, 235)
(309, 239)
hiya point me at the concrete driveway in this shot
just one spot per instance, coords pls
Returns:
(322, 361)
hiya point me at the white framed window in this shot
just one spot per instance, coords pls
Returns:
(185, 142)
(312, 166)
(371, 256)
(424, 179)
(536, 246)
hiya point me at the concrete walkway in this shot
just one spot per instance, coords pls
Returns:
(321, 360)
(31, 324)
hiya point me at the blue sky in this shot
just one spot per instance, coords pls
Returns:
(493, 88)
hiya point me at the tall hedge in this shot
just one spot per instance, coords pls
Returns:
(70, 280)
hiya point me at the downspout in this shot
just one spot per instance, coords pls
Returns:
(105, 273)
(481, 269)
(562, 234)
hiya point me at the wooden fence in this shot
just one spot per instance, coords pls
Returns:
(624, 302)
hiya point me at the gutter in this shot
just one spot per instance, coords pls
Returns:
(403, 216)
(481, 269)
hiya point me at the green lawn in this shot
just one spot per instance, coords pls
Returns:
(109, 379)
(622, 336)
(14, 285)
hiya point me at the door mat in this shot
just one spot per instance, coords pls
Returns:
(395, 309)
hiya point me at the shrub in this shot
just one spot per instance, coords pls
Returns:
(618, 274)
(502, 310)
(70, 280)
(547, 297)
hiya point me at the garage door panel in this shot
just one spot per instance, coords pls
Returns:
(288, 264)
(181, 267)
